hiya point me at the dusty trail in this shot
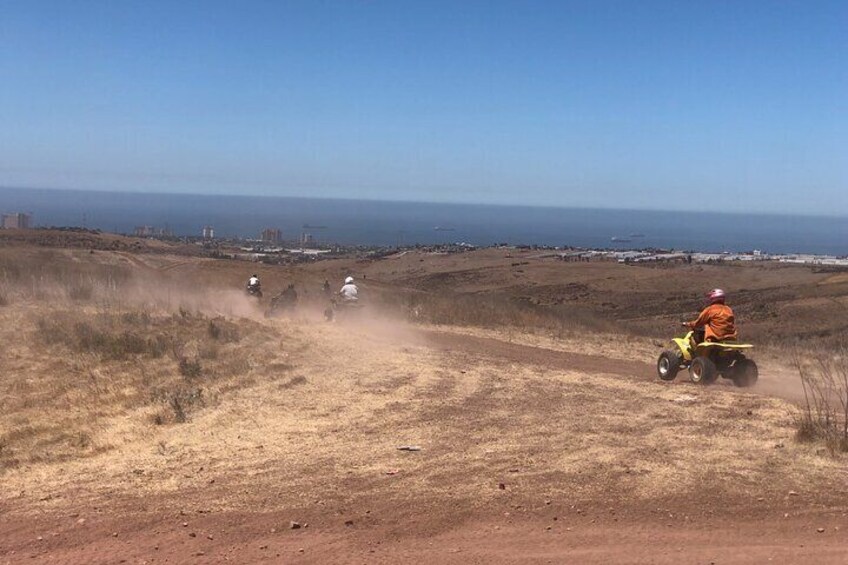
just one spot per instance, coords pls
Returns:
(267, 538)
(774, 381)
(135, 529)
(526, 354)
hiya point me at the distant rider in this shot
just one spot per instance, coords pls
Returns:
(253, 283)
(717, 319)
(349, 292)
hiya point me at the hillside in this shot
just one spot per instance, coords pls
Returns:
(149, 412)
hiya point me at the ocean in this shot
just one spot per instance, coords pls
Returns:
(392, 223)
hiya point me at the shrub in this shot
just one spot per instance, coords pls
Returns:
(80, 290)
(222, 330)
(178, 404)
(214, 330)
(190, 368)
(98, 337)
(824, 414)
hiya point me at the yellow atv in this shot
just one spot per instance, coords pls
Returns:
(706, 360)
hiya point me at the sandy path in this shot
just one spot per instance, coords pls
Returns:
(136, 530)
(776, 381)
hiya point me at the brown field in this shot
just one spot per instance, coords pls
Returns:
(150, 413)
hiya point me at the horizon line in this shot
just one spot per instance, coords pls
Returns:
(429, 202)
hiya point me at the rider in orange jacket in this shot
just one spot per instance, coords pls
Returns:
(717, 319)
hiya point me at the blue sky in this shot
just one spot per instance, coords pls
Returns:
(714, 105)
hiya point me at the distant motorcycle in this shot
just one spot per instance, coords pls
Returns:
(254, 290)
(283, 303)
(341, 309)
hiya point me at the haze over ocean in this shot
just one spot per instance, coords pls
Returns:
(390, 223)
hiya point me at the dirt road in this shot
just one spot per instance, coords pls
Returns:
(517, 537)
(448, 507)
(775, 381)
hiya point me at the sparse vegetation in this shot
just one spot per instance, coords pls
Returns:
(495, 311)
(824, 414)
(189, 368)
(104, 335)
(103, 362)
(177, 404)
(223, 330)
(149, 388)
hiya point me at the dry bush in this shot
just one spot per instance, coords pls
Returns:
(80, 290)
(49, 274)
(177, 404)
(81, 368)
(111, 336)
(824, 414)
(223, 330)
(189, 368)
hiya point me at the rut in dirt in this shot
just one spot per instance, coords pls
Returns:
(585, 363)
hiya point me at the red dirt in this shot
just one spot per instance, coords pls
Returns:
(520, 536)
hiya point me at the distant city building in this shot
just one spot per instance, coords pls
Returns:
(150, 231)
(17, 221)
(144, 231)
(208, 232)
(272, 235)
(306, 239)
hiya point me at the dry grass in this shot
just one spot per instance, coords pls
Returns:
(69, 371)
(823, 417)
(96, 386)
(493, 311)
(323, 418)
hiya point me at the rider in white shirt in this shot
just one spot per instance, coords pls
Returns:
(349, 292)
(253, 281)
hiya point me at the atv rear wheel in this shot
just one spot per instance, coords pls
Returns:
(702, 371)
(745, 373)
(668, 365)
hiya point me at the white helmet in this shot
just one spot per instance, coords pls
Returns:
(348, 280)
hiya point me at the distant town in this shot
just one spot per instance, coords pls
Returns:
(272, 247)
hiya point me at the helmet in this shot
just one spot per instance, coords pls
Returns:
(348, 280)
(254, 276)
(716, 296)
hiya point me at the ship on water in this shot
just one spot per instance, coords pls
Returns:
(616, 239)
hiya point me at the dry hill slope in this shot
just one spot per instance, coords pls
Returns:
(146, 421)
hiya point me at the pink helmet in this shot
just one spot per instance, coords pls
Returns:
(716, 296)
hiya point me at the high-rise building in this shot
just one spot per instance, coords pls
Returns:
(17, 221)
(208, 232)
(144, 231)
(272, 235)
(306, 239)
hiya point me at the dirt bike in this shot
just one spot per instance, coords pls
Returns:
(341, 309)
(283, 303)
(254, 290)
(707, 360)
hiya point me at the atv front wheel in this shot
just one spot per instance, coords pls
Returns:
(745, 373)
(668, 365)
(702, 371)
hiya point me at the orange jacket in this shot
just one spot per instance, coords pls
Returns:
(718, 321)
